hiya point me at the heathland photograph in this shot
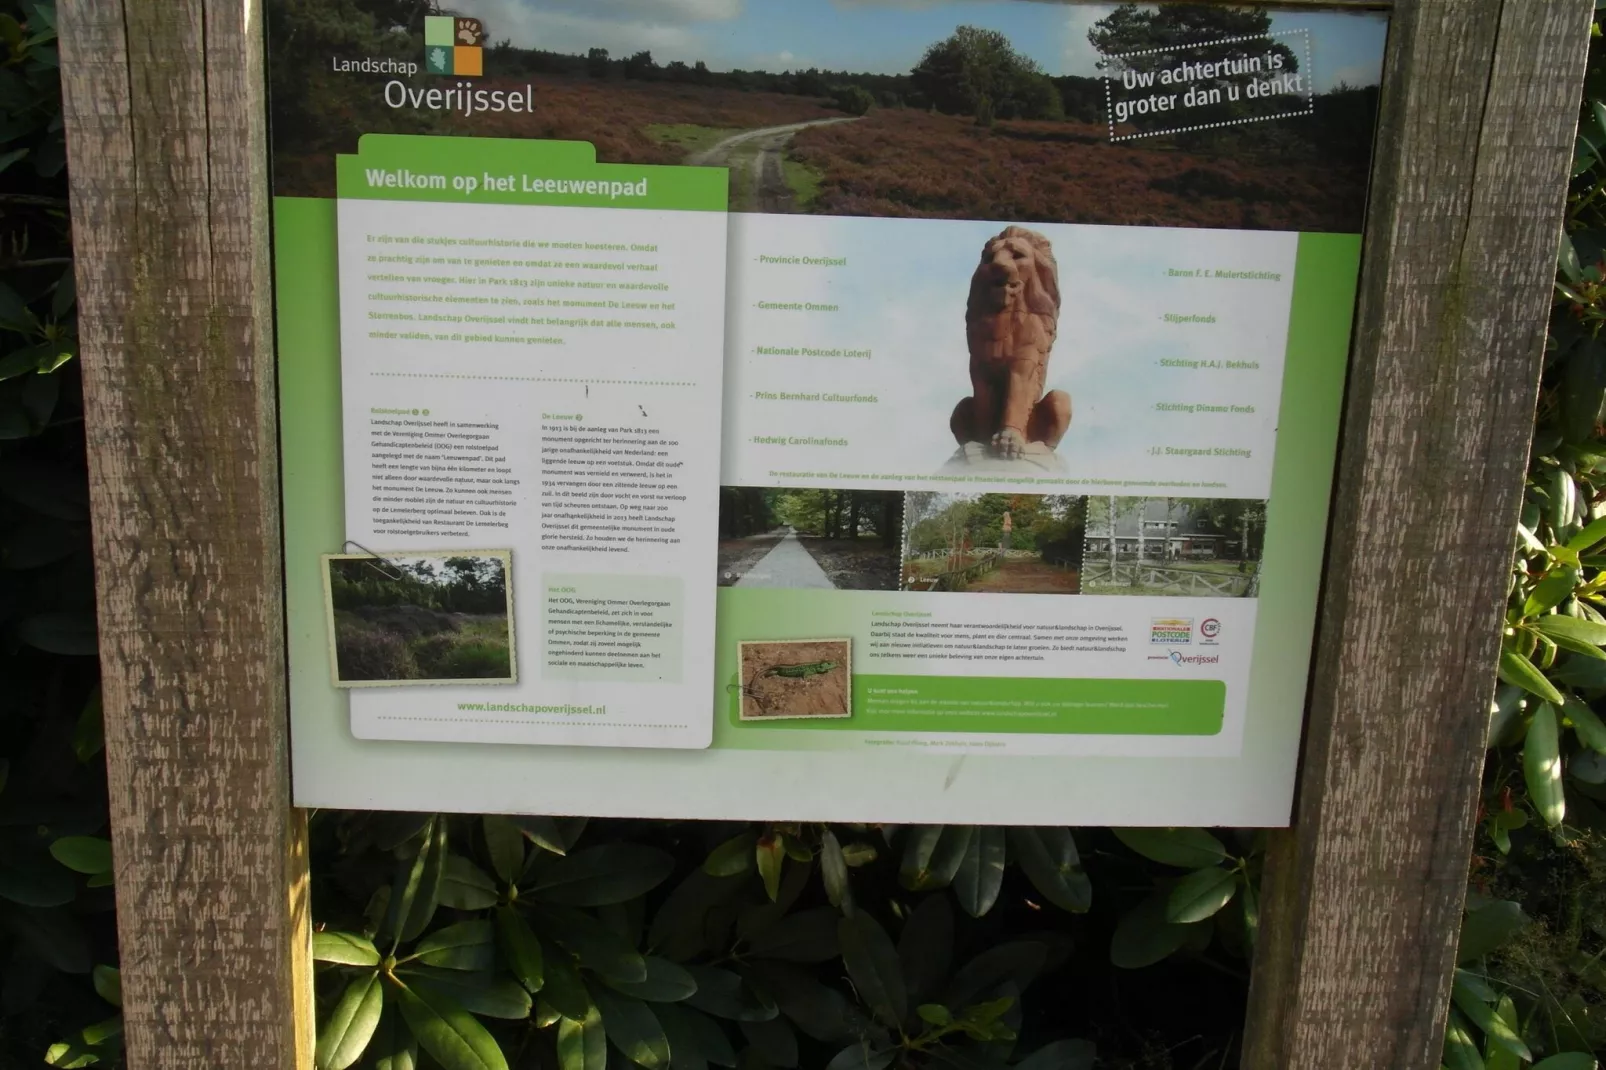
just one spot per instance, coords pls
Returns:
(415, 618)
(1205, 547)
(993, 543)
(957, 110)
(809, 537)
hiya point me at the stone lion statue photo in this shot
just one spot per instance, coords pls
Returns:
(1011, 319)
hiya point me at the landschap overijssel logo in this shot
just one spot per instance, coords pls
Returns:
(1171, 631)
(454, 46)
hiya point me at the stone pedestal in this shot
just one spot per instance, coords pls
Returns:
(978, 459)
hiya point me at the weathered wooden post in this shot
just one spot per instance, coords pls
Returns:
(1363, 896)
(166, 134)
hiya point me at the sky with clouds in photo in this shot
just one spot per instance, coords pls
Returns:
(874, 36)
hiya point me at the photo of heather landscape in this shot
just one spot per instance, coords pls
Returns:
(961, 110)
(420, 618)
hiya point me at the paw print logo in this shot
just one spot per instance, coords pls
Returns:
(454, 46)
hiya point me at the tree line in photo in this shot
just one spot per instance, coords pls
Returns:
(420, 618)
(820, 511)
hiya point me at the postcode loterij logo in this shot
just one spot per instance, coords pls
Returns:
(1171, 631)
(454, 46)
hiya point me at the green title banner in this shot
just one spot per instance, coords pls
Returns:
(1018, 704)
(477, 170)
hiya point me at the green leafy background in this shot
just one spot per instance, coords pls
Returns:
(473, 942)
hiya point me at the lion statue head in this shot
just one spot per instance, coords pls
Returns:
(1014, 296)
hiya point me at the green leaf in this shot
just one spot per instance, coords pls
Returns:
(1587, 724)
(1560, 626)
(547, 833)
(1567, 1060)
(774, 1039)
(732, 857)
(416, 891)
(1061, 1055)
(479, 993)
(347, 949)
(633, 1029)
(1200, 895)
(465, 886)
(1482, 1015)
(695, 1040)
(1143, 936)
(1518, 670)
(36, 884)
(1459, 1051)
(393, 1046)
(874, 967)
(861, 1056)
(819, 1012)
(1184, 847)
(807, 936)
(89, 734)
(770, 854)
(1541, 765)
(685, 925)
(1487, 926)
(981, 872)
(1049, 859)
(582, 1045)
(108, 982)
(71, 633)
(1012, 965)
(598, 947)
(926, 946)
(562, 987)
(351, 1024)
(932, 855)
(53, 935)
(83, 854)
(1550, 592)
(666, 983)
(520, 948)
(726, 995)
(448, 1032)
(504, 841)
(467, 945)
(1498, 1058)
(611, 873)
(834, 871)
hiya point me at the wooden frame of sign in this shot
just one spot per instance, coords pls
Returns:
(1362, 897)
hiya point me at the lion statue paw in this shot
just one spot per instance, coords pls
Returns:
(1009, 444)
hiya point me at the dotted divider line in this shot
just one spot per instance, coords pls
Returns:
(1310, 94)
(530, 379)
(526, 724)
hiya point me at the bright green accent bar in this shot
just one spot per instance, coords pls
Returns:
(1016, 704)
(481, 170)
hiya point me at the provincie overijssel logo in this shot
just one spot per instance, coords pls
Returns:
(454, 46)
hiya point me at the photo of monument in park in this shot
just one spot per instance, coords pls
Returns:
(1203, 547)
(809, 537)
(993, 543)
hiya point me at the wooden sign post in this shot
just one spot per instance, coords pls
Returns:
(166, 115)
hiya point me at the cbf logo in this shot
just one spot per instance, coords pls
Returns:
(1209, 631)
(1171, 631)
(454, 46)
